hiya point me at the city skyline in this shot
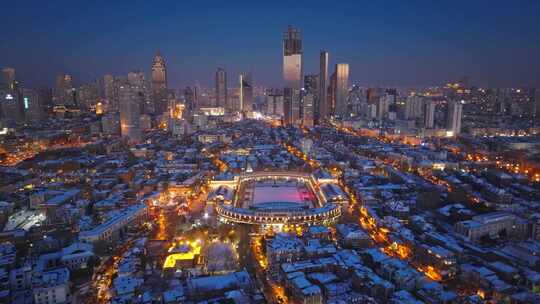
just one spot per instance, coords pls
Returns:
(270, 152)
(387, 47)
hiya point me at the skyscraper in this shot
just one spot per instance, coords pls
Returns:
(292, 58)
(190, 102)
(308, 106)
(130, 101)
(8, 75)
(32, 106)
(453, 123)
(246, 93)
(222, 99)
(291, 106)
(331, 96)
(323, 106)
(159, 73)
(342, 88)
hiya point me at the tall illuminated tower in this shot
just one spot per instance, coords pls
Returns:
(292, 58)
(159, 73)
(246, 93)
(342, 88)
(323, 105)
(221, 89)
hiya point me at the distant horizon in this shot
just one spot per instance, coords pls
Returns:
(390, 44)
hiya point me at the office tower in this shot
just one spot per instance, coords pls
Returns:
(64, 91)
(291, 106)
(222, 99)
(159, 73)
(413, 107)
(331, 96)
(8, 75)
(33, 111)
(308, 109)
(292, 58)
(429, 114)
(323, 105)
(130, 101)
(342, 89)
(453, 123)
(246, 93)
(158, 84)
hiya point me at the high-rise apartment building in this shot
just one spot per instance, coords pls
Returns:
(246, 93)
(323, 105)
(383, 106)
(413, 107)
(453, 123)
(429, 114)
(222, 99)
(342, 89)
(292, 58)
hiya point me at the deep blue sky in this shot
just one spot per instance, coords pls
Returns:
(495, 43)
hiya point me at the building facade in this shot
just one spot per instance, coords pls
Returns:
(323, 107)
(342, 88)
(246, 93)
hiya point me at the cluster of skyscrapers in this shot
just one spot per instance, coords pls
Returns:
(311, 98)
(132, 103)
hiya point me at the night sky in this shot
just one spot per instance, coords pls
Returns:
(398, 43)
